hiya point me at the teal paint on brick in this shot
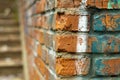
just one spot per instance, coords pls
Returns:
(98, 23)
(105, 44)
(107, 66)
(113, 4)
(107, 21)
(99, 66)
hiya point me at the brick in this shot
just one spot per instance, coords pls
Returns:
(87, 43)
(101, 4)
(42, 52)
(40, 64)
(107, 66)
(36, 75)
(48, 37)
(65, 43)
(103, 44)
(104, 4)
(39, 50)
(40, 6)
(41, 37)
(42, 22)
(114, 78)
(69, 65)
(65, 21)
(45, 54)
(70, 22)
(71, 42)
(68, 3)
(107, 21)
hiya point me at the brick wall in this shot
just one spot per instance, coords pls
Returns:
(73, 39)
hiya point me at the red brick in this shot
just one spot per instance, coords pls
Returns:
(69, 65)
(107, 66)
(66, 43)
(68, 3)
(39, 50)
(103, 4)
(42, 22)
(66, 22)
(40, 6)
(41, 65)
(48, 37)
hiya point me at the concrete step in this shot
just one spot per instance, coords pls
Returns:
(8, 22)
(4, 39)
(9, 30)
(10, 60)
(7, 49)
(16, 70)
(3, 16)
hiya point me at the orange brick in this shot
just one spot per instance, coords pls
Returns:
(40, 64)
(65, 42)
(68, 3)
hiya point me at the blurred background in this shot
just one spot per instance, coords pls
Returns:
(12, 64)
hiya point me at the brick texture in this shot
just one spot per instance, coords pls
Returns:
(73, 39)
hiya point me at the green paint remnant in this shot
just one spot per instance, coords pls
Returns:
(113, 4)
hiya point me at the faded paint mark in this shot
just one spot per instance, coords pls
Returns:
(112, 67)
(83, 23)
(90, 43)
(82, 42)
(82, 65)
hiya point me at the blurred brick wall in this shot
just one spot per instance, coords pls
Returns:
(73, 39)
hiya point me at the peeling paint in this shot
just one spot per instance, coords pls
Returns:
(109, 21)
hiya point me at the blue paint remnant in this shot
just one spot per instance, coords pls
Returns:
(98, 67)
(105, 44)
(107, 21)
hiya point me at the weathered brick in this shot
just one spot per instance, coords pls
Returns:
(71, 42)
(36, 75)
(107, 66)
(44, 69)
(101, 4)
(104, 4)
(106, 78)
(45, 54)
(87, 43)
(39, 50)
(41, 65)
(69, 65)
(71, 22)
(42, 22)
(48, 37)
(68, 3)
(107, 21)
(41, 37)
(103, 44)
(66, 43)
(40, 6)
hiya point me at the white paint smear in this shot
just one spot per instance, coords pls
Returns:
(83, 23)
(82, 42)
